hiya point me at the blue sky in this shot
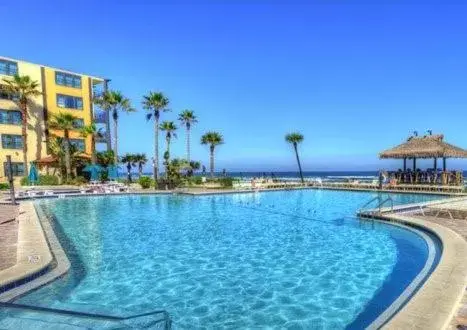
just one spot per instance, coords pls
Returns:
(354, 79)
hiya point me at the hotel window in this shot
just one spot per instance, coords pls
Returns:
(10, 141)
(69, 102)
(78, 123)
(17, 168)
(79, 144)
(66, 79)
(8, 68)
(4, 95)
(10, 117)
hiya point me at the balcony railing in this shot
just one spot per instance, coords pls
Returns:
(101, 139)
(100, 117)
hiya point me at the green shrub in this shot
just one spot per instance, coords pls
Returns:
(44, 180)
(226, 182)
(197, 180)
(48, 180)
(145, 182)
(4, 186)
(78, 181)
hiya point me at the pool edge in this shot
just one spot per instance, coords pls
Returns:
(26, 276)
(437, 300)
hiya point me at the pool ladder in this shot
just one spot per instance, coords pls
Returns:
(165, 322)
(368, 213)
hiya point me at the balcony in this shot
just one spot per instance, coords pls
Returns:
(100, 117)
(101, 139)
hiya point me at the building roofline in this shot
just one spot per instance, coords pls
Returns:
(54, 68)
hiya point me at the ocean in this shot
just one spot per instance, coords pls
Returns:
(330, 176)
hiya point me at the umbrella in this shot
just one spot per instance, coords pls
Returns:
(33, 176)
(94, 170)
(112, 171)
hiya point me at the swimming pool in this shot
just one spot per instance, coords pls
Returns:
(293, 259)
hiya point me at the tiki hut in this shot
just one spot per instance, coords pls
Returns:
(429, 146)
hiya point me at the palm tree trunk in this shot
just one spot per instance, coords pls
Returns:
(156, 149)
(128, 167)
(116, 141)
(67, 156)
(107, 128)
(298, 161)
(140, 169)
(93, 149)
(188, 144)
(168, 159)
(24, 133)
(212, 161)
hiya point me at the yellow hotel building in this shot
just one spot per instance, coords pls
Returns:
(61, 91)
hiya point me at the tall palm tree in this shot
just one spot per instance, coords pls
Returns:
(23, 89)
(64, 122)
(169, 128)
(130, 161)
(187, 118)
(141, 160)
(115, 102)
(212, 139)
(294, 139)
(94, 132)
(155, 103)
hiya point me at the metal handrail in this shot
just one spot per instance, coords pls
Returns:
(389, 198)
(369, 202)
(380, 204)
(166, 317)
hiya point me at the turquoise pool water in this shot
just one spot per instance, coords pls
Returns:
(293, 259)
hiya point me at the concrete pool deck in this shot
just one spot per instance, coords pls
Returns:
(32, 253)
(440, 302)
(433, 306)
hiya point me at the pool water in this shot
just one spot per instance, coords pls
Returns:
(291, 259)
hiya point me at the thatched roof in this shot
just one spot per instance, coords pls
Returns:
(429, 146)
(50, 160)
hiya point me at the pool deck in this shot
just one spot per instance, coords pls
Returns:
(8, 235)
(439, 304)
(460, 227)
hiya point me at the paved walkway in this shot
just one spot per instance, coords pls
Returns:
(460, 227)
(8, 235)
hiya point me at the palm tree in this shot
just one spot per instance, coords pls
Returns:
(64, 122)
(56, 149)
(295, 139)
(194, 166)
(105, 158)
(94, 132)
(175, 168)
(213, 139)
(141, 160)
(115, 102)
(155, 103)
(169, 128)
(130, 161)
(23, 89)
(187, 118)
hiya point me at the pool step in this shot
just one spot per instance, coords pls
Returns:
(17, 316)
